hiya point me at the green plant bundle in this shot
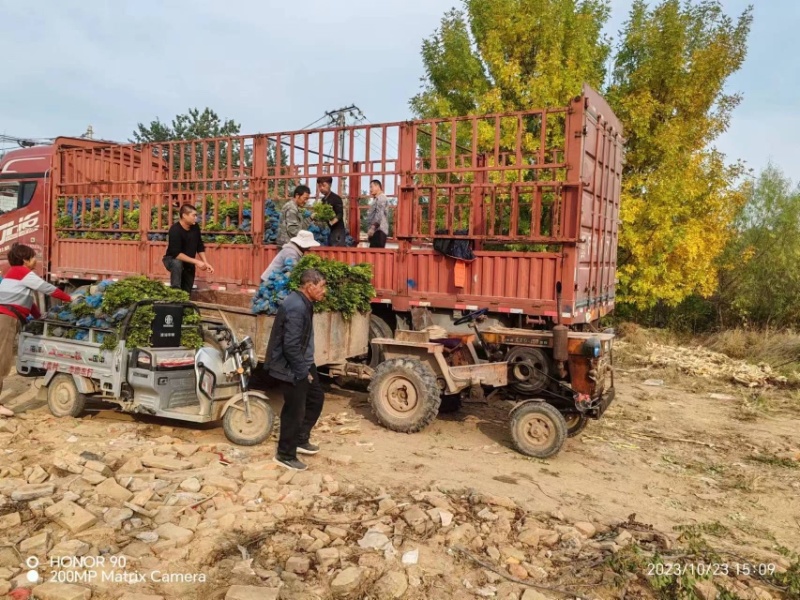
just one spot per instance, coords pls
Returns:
(322, 213)
(350, 289)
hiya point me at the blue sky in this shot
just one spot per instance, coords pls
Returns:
(276, 65)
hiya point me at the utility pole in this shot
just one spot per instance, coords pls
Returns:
(338, 118)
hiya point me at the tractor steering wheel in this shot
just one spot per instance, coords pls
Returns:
(471, 316)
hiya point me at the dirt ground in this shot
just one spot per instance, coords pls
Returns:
(678, 452)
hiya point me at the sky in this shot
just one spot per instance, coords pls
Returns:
(277, 66)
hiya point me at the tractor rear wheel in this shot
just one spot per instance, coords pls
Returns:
(404, 395)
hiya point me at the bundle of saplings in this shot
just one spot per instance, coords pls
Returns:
(106, 305)
(349, 288)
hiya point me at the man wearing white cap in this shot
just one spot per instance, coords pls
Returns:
(292, 250)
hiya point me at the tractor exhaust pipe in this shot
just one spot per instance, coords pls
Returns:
(560, 333)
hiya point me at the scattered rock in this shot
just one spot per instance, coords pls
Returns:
(166, 463)
(70, 516)
(624, 538)
(411, 557)
(327, 557)
(70, 548)
(170, 531)
(586, 529)
(530, 594)
(190, 485)
(251, 592)
(111, 489)
(392, 585)
(32, 491)
(529, 537)
(340, 459)
(37, 545)
(133, 596)
(705, 590)
(10, 520)
(61, 591)
(98, 467)
(347, 581)
(115, 517)
(222, 483)
(298, 564)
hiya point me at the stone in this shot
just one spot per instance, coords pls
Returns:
(93, 478)
(190, 485)
(487, 515)
(66, 465)
(186, 450)
(134, 596)
(70, 516)
(32, 491)
(38, 475)
(115, 517)
(501, 501)
(36, 545)
(222, 483)
(298, 564)
(530, 594)
(10, 520)
(261, 474)
(8, 557)
(462, 533)
(347, 581)
(133, 465)
(705, 590)
(166, 463)
(586, 529)
(250, 491)
(386, 505)
(98, 467)
(170, 531)
(327, 557)
(148, 537)
(493, 552)
(392, 585)
(251, 592)
(529, 537)
(548, 537)
(111, 489)
(336, 532)
(624, 538)
(70, 548)
(340, 459)
(517, 571)
(414, 516)
(61, 591)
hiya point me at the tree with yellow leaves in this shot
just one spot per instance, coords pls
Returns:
(679, 196)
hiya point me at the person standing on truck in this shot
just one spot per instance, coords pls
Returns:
(338, 233)
(290, 360)
(184, 243)
(293, 250)
(377, 216)
(17, 304)
(291, 220)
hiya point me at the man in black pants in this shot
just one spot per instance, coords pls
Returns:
(290, 360)
(338, 232)
(183, 245)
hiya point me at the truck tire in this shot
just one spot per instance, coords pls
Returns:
(576, 423)
(63, 397)
(378, 328)
(538, 429)
(530, 370)
(242, 433)
(404, 395)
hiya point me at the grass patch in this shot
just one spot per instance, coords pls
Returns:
(774, 461)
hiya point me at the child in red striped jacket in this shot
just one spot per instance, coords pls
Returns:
(17, 304)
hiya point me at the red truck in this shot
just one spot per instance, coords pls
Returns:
(535, 194)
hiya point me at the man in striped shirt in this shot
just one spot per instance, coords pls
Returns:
(17, 304)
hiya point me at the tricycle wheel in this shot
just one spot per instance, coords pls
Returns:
(538, 429)
(248, 433)
(404, 395)
(63, 397)
(576, 423)
(378, 328)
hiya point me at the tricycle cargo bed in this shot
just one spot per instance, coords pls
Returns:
(336, 339)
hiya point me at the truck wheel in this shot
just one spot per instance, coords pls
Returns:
(378, 328)
(242, 433)
(63, 397)
(404, 395)
(576, 423)
(538, 429)
(529, 370)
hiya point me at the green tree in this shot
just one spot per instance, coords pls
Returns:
(759, 279)
(679, 196)
(669, 70)
(191, 125)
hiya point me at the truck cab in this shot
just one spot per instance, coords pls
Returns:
(24, 182)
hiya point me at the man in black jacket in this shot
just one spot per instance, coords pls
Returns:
(184, 244)
(338, 232)
(290, 360)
